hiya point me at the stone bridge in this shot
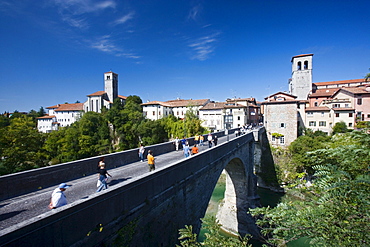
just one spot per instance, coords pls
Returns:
(149, 209)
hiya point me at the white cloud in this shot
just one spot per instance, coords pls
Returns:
(77, 7)
(107, 44)
(204, 46)
(71, 10)
(124, 18)
(194, 12)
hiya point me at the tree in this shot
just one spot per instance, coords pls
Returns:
(192, 123)
(214, 238)
(335, 211)
(21, 146)
(339, 127)
(90, 136)
(299, 149)
(367, 76)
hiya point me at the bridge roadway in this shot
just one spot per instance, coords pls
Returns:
(27, 206)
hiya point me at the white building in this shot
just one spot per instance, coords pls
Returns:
(155, 110)
(63, 115)
(96, 101)
(223, 115)
(60, 115)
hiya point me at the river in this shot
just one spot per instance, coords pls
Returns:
(268, 198)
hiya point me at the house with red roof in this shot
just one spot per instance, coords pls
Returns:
(62, 115)
(316, 106)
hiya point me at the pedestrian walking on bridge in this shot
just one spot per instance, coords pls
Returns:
(209, 138)
(141, 152)
(58, 198)
(103, 177)
(151, 161)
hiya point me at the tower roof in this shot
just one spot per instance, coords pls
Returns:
(302, 55)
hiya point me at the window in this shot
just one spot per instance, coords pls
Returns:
(350, 114)
(312, 123)
(322, 123)
(316, 104)
(273, 139)
(359, 101)
(336, 114)
(153, 113)
(346, 105)
(282, 140)
(349, 124)
(159, 113)
(305, 66)
(108, 77)
(238, 117)
(282, 125)
(322, 113)
(336, 105)
(299, 66)
(310, 114)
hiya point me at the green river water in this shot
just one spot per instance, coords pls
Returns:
(268, 198)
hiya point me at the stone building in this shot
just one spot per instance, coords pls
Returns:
(316, 106)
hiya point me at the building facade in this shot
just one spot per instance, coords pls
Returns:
(316, 106)
(155, 110)
(62, 115)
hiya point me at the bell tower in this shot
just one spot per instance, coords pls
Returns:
(300, 84)
(111, 85)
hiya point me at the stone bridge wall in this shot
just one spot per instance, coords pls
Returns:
(147, 211)
(29, 181)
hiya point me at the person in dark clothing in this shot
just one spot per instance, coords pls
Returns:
(215, 140)
(103, 177)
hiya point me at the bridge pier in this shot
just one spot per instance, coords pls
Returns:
(240, 195)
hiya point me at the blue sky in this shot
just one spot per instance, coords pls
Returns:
(56, 51)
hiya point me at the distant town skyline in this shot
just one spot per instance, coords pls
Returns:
(55, 51)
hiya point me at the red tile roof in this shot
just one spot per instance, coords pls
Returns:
(156, 103)
(98, 93)
(339, 82)
(324, 92)
(187, 102)
(221, 105)
(71, 107)
(302, 55)
(356, 90)
(317, 108)
(46, 117)
(343, 109)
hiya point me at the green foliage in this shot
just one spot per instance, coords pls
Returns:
(363, 125)
(277, 135)
(4, 121)
(90, 136)
(335, 211)
(301, 146)
(192, 123)
(20, 146)
(340, 127)
(214, 238)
